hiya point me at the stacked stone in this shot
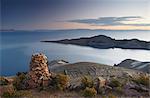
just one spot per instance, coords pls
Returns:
(39, 74)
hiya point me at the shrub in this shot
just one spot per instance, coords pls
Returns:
(115, 83)
(86, 82)
(60, 82)
(144, 80)
(19, 81)
(89, 92)
(3, 81)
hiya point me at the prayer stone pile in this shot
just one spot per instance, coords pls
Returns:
(39, 74)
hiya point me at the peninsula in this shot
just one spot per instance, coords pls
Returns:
(105, 42)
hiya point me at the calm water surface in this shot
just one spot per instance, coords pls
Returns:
(17, 48)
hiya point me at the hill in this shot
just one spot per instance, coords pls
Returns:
(134, 64)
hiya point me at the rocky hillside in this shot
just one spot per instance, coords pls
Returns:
(134, 64)
(105, 42)
(80, 69)
(84, 78)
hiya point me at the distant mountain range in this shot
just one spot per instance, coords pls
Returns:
(134, 64)
(105, 42)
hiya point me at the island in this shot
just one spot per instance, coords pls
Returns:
(105, 42)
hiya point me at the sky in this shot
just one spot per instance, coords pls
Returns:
(75, 14)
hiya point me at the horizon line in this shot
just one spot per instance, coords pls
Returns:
(2, 30)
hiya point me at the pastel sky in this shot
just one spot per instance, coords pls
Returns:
(75, 14)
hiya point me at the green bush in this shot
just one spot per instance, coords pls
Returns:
(60, 82)
(144, 80)
(89, 92)
(86, 82)
(19, 81)
(3, 81)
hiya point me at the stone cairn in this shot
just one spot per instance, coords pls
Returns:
(39, 74)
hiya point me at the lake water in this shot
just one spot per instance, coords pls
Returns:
(17, 47)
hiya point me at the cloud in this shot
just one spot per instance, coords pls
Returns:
(112, 21)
